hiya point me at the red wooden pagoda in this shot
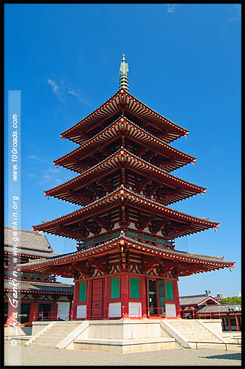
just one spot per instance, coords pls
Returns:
(126, 262)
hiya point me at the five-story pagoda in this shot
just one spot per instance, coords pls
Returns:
(126, 263)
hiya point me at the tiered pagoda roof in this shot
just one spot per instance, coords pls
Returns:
(137, 140)
(77, 190)
(188, 263)
(124, 186)
(177, 223)
(132, 108)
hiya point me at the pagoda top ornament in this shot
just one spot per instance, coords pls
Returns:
(123, 75)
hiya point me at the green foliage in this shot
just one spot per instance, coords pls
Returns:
(231, 300)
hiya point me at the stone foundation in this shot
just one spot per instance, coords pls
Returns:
(124, 336)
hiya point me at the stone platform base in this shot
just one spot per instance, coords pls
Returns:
(126, 346)
(124, 336)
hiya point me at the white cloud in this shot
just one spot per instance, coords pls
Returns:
(53, 176)
(60, 90)
(56, 89)
(34, 157)
(171, 8)
(53, 85)
(79, 94)
(73, 92)
(236, 14)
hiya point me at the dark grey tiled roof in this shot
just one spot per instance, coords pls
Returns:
(192, 300)
(223, 308)
(42, 286)
(30, 242)
(22, 251)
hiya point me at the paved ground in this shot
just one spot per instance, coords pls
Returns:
(37, 356)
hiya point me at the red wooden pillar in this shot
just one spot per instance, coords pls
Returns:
(144, 297)
(33, 311)
(124, 293)
(237, 327)
(147, 297)
(70, 309)
(89, 298)
(176, 298)
(75, 299)
(106, 296)
(229, 322)
(53, 310)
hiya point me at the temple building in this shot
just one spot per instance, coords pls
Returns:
(126, 263)
(40, 296)
(208, 307)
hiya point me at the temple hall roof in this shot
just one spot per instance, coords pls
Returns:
(31, 243)
(39, 287)
(196, 300)
(222, 308)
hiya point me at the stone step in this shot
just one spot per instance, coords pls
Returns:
(55, 334)
(43, 345)
(67, 324)
(60, 327)
(187, 325)
(48, 336)
(48, 339)
(60, 331)
(47, 342)
(208, 338)
(63, 326)
(197, 334)
(193, 331)
(189, 328)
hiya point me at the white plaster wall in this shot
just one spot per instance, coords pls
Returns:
(170, 310)
(115, 310)
(81, 311)
(134, 309)
(63, 309)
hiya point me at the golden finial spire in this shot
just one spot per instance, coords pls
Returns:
(123, 76)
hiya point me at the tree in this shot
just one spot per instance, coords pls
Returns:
(231, 300)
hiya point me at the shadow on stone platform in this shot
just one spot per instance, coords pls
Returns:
(233, 356)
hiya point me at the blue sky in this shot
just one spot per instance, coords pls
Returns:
(184, 62)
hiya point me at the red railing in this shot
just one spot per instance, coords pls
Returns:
(146, 238)
(135, 312)
(195, 314)
(208, 314)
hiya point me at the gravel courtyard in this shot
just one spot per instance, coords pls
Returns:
(39, 356)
